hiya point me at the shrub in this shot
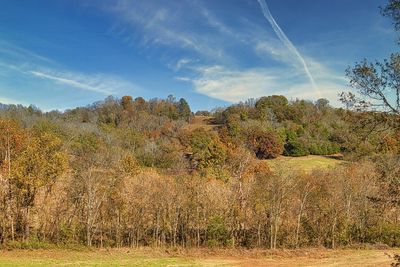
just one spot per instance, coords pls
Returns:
(295, 148)
(266, 145)
(207, 149)
(217, 233)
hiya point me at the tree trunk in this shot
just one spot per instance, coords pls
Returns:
(157, 229)
(276, 231)
(8, 193)
(10, 220)
(198, 227)
(303, 202)
(101, 238)
(271, 235)
(333, 233)
(88, 224)
(27, 228)
(88, 237)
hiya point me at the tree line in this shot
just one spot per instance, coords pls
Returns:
(130, 172)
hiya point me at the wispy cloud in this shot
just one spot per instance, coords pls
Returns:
(205, 51)
(236, 85)
(161, 25)
(233, 86)
(215, 23)
(16, 52)
(97, 83)
(8, 101)
(285, 40)
(271, 49)
(181, 63)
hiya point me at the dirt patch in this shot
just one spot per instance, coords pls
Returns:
(204, 122)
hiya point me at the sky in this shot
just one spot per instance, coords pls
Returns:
(60, 54)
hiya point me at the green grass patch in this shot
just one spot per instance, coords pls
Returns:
(93, 258)
(36, 244)
(307, 163)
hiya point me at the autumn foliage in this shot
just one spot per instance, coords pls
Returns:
(131, 172)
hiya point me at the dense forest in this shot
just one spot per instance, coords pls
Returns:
(134, 172)
(130, 172)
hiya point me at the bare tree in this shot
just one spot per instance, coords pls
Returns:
(378, 82)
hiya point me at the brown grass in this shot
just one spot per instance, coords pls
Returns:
(204, 122)
(197, 257)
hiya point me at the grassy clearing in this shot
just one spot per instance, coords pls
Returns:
(89, 258)
(306, 164)
(149, 257)
(204, 122)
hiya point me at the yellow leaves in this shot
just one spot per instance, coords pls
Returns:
(127, 103)
(208, 151)
(130, 165)
(390, 143)
(12, 138)
(217, 173)
(262, 168)
(56, 165)
(40, 163)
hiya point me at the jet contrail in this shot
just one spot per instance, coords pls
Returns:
(285, 40)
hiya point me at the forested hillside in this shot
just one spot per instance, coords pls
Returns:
(131, 172)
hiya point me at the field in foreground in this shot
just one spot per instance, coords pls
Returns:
(147, 257)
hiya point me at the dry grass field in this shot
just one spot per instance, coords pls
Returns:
(157, 257)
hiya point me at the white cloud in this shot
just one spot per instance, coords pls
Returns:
(271, 49)
(215, 23)
(36, 66)
(98, 83)
(326, 90)
(169, 25)
(182, 63)
(183, 79)
(286, 41)
(8, 101)
(236, 85)
(232, 86)
(188, 26)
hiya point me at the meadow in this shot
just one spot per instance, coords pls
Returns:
(306, 163)
(197, 257)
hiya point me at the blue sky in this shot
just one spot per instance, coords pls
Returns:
(62, 54)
